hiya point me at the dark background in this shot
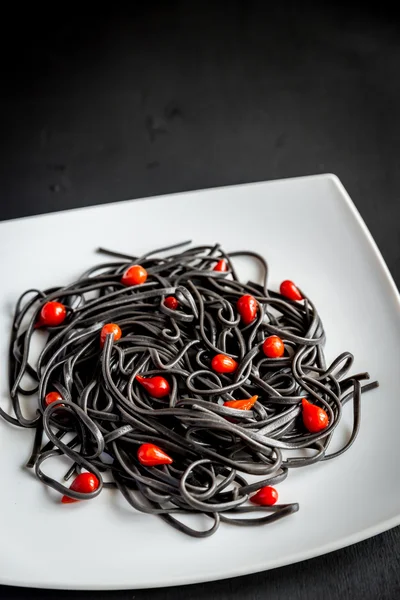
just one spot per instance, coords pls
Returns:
(173, 96)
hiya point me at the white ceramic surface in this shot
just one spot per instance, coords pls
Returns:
(310, 232)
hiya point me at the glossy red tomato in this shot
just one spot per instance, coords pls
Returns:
(171, 302)
(247, 308)
(84, 483)
(157, 386)
(52, 397)
(108, 329)
(266, 496)
(221, 266)
(315, 419)
(134, 275)
(246, 404)
(52, 314)
(289, 290)
(224, 364)
(151, 455)
(273, 347)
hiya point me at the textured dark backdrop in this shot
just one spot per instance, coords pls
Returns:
(176, 96)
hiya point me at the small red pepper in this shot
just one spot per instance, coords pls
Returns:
(84, 483)
(110, 328)
(315, 419)
(52, 315)
(221, 266)
(157, 386)
(52, 397)
(246, 404)
(224, 364)
(171, 302)
(289, 290)
(134, 275)
(151, 455)
(247, 308)
(273, 347)
(266, 496)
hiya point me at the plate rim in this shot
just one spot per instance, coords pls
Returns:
(181, 581)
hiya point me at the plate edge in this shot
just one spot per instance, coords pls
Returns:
(374, 246)
(78, 209)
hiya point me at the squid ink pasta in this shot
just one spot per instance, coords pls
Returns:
(187, 390)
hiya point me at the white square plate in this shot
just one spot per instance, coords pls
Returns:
(309, 231)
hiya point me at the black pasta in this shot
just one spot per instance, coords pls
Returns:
(106, 414)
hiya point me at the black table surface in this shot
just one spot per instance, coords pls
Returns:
(174, 96)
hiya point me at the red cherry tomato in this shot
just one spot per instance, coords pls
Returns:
(171, 302)
(247, 308)
(134, 275)
(266, 496)
(223, 364)
(157, 386)
(52, 314)
(151, 455)
(273, 347)
(289, 290)
(246, 404)
(221, 266)
(108, 329)
(52, 397)
(84, 483)
(315, 419)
